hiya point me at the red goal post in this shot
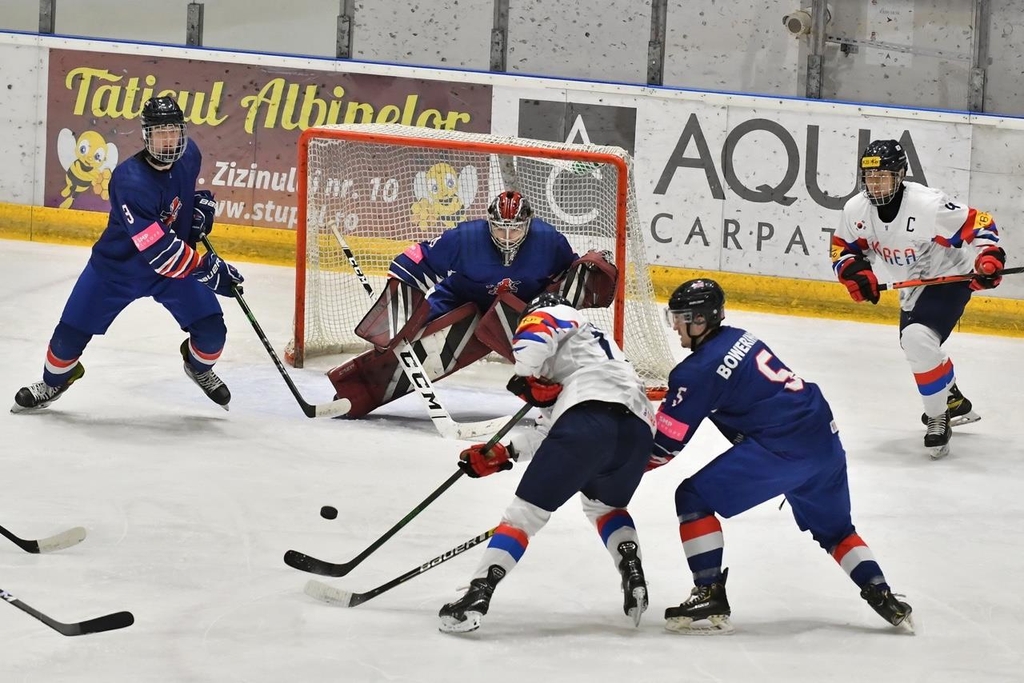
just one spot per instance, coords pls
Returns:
(384, 187)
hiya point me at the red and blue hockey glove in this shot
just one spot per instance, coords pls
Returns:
(858, 278)
(988, 268)
(219, 276)
(535, 391)
(204, 208)
(476, 462)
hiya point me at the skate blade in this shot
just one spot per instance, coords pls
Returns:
(640, 605)
(964, 419)
(28, 409)
(719, 626)
(938, 452)
(908, 626)
(453, 625)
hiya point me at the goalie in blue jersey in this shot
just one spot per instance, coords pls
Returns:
(785, 442)
(147, 250)
(458, 297)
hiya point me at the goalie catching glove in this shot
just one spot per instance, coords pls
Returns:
(476, 462)
(535, 391)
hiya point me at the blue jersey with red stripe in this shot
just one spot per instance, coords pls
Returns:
(147, 231)
(463, 264)
(738, 383)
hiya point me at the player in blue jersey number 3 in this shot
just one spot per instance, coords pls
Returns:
(148, 249)
(785, 442)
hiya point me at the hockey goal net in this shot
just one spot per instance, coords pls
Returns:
(383, 187)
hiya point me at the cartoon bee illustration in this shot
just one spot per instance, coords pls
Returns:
(442, 195)
(88, 162)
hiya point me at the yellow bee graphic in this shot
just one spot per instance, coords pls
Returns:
(88, 161)
(442, 195)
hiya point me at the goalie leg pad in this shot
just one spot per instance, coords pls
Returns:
(398, 313)
(374, 378)
(498, 324)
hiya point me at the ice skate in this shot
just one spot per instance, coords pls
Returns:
(41, 394)
(706, 603)
(894, 611)
(961, 411)
(936, 438)
(634, 586)
(464, 615)
(208, 381)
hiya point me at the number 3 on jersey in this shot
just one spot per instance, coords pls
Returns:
(783, 374)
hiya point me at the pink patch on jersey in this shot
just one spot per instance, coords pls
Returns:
(415, 252)
(671, 427)
(148, 237)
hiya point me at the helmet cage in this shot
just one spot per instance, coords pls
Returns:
(883, 159)
(508, 218)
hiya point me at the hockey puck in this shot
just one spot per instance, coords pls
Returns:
(327, 512)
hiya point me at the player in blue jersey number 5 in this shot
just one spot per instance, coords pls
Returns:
(147, 250)
(785, 442)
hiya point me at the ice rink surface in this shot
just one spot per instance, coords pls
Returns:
(189, 510)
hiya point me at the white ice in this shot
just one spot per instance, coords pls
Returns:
(190, 509)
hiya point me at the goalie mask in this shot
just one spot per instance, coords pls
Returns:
(509, 217)
(163, 130)
(695, 302)
(883, 166)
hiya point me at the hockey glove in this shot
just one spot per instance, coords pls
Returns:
(535, 391)
(219, 276)
(989, 267)
(858, 278)
(476, 462)
(204, 208)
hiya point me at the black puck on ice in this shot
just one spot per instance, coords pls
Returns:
(327, 512)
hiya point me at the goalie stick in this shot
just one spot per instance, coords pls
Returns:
(64, 539)
(944, 279)
(307, 563)
(108, 622)
(332, 409)
(418, 378)
(335, 596)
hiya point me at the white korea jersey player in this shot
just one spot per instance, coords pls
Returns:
(556, 343)
(931, 236)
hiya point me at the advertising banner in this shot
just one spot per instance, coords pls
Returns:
(245, 118)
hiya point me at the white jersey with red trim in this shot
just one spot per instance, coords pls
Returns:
(556, 343)
(931, 236)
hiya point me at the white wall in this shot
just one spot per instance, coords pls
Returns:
(710, 44)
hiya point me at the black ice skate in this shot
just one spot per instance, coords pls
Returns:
(464, 615)
(634, 586)
(961, 412)
(41, 394)
(706, 603)
(208, 381)
(936, 438)
(882, 600)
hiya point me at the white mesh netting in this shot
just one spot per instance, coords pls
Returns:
(410, 184)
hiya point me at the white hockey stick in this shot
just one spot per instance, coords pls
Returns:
(418, 378)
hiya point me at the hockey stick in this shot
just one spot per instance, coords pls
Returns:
(306, 563)
(335, 596)
(65, 539)
(108, 622)
(418, 378)
(942, 280)
(332, 409)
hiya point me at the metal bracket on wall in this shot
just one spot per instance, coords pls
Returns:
(656, 46)
(194, 24)
(47, 16)
(845, 45)
(499, 37)
(346, 28)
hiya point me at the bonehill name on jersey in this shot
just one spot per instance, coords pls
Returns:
(736, 353)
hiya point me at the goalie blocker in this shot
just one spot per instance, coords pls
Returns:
(452, 341)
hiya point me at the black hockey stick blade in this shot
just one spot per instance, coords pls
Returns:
(60, 541)
(306, 563)
(335, 596)
(334, 408)
(108, 622)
